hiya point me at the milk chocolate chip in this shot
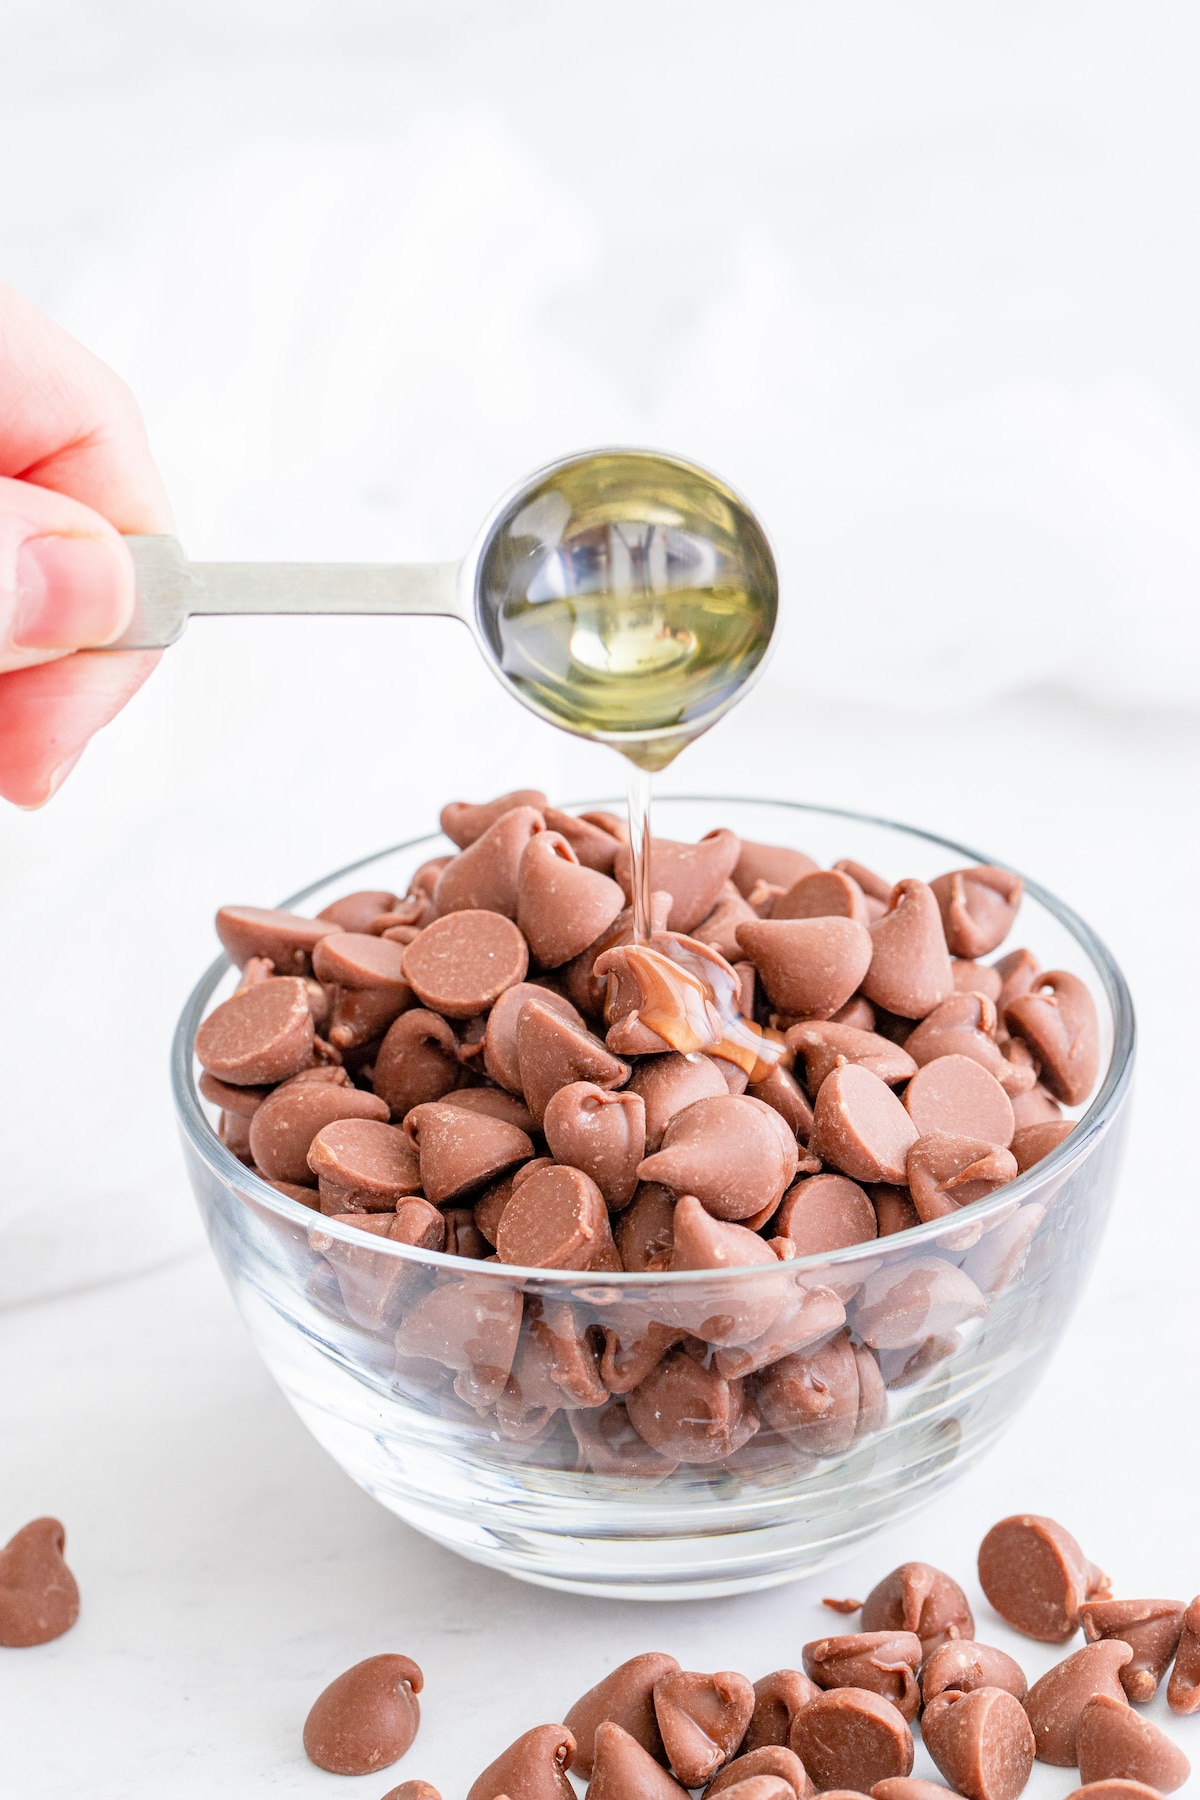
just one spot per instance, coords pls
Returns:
(1057, 1019)
(38, 1596)
(1037, 1578)
(461, 1150)
(809, 967)
(693, 1415)
(728, 1152)
(917, 1597)
(532, 1768)
(557, 1220)
(981, 1742)
(261, 1034)
(464, 823)
(413, 1790)
(693, 874)
(1055, 1703)
(594, 843)
(1183, 1689)
(965, 1025)
(703, 1719)
(778, 1697)
(286, 939)
(1151, 1628)
(358, 911)
(824, 1044)
(978, 907)
(766, 1759)
(860, 1127)
(283, 1128)
(946, 1172)
(826, 893)
(367, 1718)
(471, 1326)
(363, 1165)
(623, 1770)
(417, 1062)
(825, 1212)
(562, 907)
(625, 1697)
(954, 1094)
(908, 1787)
(669, 1083)
(1032, 1142)
(500, 1035)
(734, 1314)
(645, 1231)
(462, 963)
(961, 1663)
(886, 1662)
(600, 1132)
(776, 863)
(485, 875)
(1117, 1744)
(851, 1738)
(909, 972)
(552, 1053)
(813, 1397)
(1115, 1790)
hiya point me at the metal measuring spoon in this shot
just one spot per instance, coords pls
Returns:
(621, 594)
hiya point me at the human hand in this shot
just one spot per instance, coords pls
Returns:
(75, 472)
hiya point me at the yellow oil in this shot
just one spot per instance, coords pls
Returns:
(644, 672)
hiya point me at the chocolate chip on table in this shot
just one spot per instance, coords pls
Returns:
(765, 1759)
(625, 1696)
(1036, 1576)
(844, 1605)
(886, 1662)
(622, 1768)
(1116, 1743)
(1056, 1702)
(532, 1768)
(413, 1790)
(39, 1599)
(778, 1697)
(366, 1719)
(919, 1598)
(851, 1738)
(981, 1742)
(260, 1034)
(703, 1719)
(1183, 1688)
(962, 1663)
(1151, 1628)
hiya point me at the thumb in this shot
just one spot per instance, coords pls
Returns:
(66, 577)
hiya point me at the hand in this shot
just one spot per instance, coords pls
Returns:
(75, 472)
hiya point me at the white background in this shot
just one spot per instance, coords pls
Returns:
(923, 282)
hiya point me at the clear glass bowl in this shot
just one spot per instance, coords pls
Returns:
(962, 1313)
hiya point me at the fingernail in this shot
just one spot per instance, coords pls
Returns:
(71, 592)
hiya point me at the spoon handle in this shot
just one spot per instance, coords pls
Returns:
(170, 589)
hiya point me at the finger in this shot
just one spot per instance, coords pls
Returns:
(48, 713)
(66, 577)
(67, 422)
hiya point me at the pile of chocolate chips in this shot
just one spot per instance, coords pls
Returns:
(799, 1060)
(842, 1726)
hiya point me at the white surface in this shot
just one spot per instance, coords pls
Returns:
(921, 281)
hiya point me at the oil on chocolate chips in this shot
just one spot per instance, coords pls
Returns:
(799, 1061)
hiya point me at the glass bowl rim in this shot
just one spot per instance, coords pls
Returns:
(1073, 1149)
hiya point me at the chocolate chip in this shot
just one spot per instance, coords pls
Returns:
(909, 973)
(954, 1094)
(471, 1325)
(809, 967)
(978, 906)
(459, 965)
(778, 1697)
(562, 907)
(1032, 1142)
(691, 1414)
(1117, 1744)
(600, 1132)
(886, 1662)
(416, 1062)
(961, 1663)
(825, 893)
(1183, 1689)
(851, 1738)
(460, 1150)
(775, 863)
(693, 874)
(1115, 1790)
(917, 1597)
(781, 1091)
(552, 1053)
(824, 1044)
(557, 1219)
(283, 1128)
(1056, 1702)
(39, 1599)
(286, 939)
(464, 823)
(668, 1084)
(728, 1152)
(703, 1719)
(773, 1759)
(760, 1787)
(825, 1212)
(413, 1790)
(363, 1165)
(609, 1445)
(861, 1127)
(1036, 1576)
(367, 1718)
(485, 876)
(623, 1770)
(908, 1787)
(532, 1768)
(730, 1315)
(812, 1398)
(965, 1025)
(1151, 1628)
(355, 959)
(358, 911)
(625, 1697)
(981, 1742)
(261, 1034)
(645, 1231)
(947, 1172)
(594, 843)
(719, 929)
(1057, 1019)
